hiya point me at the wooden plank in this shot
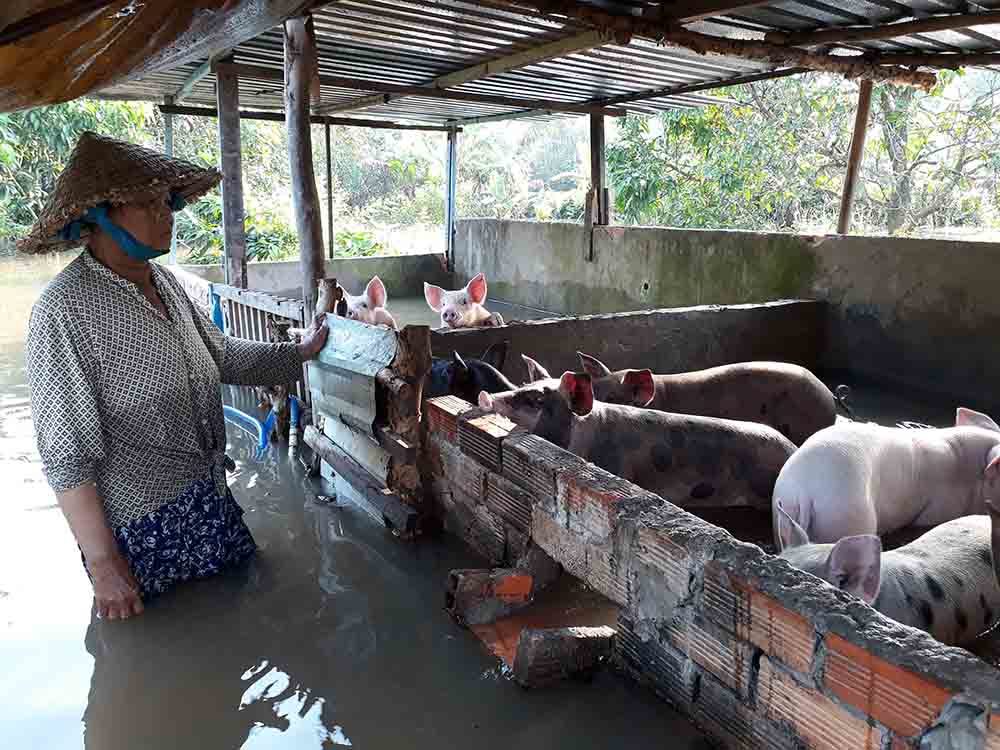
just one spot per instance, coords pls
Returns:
(598, 170)
(329, 193)
(300, 68)
(393, 510)
(362, 447)
(233, 234)
(856, 155)
(352, 105)
(261, 300)
(263, 73)
(351, 122)
(45, 19)
(884, 30)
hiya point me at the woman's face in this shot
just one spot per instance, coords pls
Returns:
(151, 223)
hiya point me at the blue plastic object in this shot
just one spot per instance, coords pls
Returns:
(257, 429)
(216, 309)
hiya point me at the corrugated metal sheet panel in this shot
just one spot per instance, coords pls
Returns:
(415, 41)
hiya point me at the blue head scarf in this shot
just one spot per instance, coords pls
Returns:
(98, 216)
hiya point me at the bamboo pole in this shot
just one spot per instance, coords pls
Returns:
(300, 65)
(854, 160)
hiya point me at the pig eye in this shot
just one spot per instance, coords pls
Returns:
(841, 580)
(464, 301)
(364, 305)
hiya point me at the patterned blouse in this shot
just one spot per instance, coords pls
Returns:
(130, 399)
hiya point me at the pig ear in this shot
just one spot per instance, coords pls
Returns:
(375, 292)
(477, 289)
(970, 418)
(855, 565)
(790, 533)
(640, 382)
(496, 355)
(433, 295)
(485, 401)
(535, 371)
(593, 366)
(579, 390)
(457, 359)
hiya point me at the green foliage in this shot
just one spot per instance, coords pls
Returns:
(356, 244)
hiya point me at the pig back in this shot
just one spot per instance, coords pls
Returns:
(692, 461)
(787, 397)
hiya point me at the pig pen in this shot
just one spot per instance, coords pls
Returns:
(756, 653)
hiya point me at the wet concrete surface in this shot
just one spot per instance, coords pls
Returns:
(335, 635)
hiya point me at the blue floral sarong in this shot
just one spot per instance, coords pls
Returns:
(199, 534)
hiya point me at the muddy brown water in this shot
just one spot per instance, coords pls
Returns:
(335, 635)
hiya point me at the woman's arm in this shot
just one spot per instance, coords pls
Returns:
(115, 588)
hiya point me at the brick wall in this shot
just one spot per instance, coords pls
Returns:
(758, 654)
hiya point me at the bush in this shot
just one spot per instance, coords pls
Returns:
(349, 243)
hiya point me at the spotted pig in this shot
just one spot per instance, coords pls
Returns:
(944, 582)
(689, 460)
(787, 397)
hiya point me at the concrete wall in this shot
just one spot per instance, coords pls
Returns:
(403, 275)
(917, 312)
(665, 340)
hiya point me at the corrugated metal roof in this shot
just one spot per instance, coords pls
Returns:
(413, 42)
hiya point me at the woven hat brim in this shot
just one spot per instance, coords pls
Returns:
(107, 170)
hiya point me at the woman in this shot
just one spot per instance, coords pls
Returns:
(125, 376)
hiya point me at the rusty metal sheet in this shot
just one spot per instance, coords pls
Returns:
(117, 41)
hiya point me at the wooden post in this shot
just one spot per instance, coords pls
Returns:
(857, 152)
(329, 193)
(300, 66)
(450, 195)
(168, 149)
(233, 234)
(598, 170)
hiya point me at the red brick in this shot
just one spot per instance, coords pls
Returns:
(721, 714)
(896, 697)
(482, 437)
(442, 415)
(779, 632)
(895, 742)
(596, 564)
(725, 656)
(654, 548)
(547, 655)
(648, 661)
(588, 500)
(820, 722)
(509, 501)
(464, 472)
(476, 596)
(534, 463)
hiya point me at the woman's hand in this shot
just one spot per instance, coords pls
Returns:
(314, 337)
(115, 588)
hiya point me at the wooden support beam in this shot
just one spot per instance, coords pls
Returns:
(233, 232)
(856, 155)
(883, 31)
(690, 88)
(946, 60)
(598, 171)
(300, 63)
(361, 84)
(673, 33)
(502, 117)
(168, 149)
(353, 122)
(329, 192)
(362, 102)
(45, 19)
(450, 196)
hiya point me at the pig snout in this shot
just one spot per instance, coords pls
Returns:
(451, 316)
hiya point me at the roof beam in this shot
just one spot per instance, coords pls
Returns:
(690, 88)
(883, 31)
(47, 18)
(314, 119)
(673, 33)
(352, 105)
(559, 48)
(362, 84)
(196, 75)
(688, 11)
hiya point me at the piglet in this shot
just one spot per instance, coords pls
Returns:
(369, 307)
(689, 460)
(943, 582)
(863, 478)
(466, 378)
(462, 308)
(787, 397)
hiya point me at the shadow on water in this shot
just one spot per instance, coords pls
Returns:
(334, 635)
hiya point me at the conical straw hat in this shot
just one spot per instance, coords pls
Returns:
(104, 169)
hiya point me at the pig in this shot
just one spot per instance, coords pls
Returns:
(369, 307)
(787, 397)
(465, 378)
(462, 308)
(862, 478)
(944, 582)
(690, 460)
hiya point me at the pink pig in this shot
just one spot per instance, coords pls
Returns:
(462, 308)
(370, 307)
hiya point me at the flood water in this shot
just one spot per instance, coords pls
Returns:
(335, 635)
